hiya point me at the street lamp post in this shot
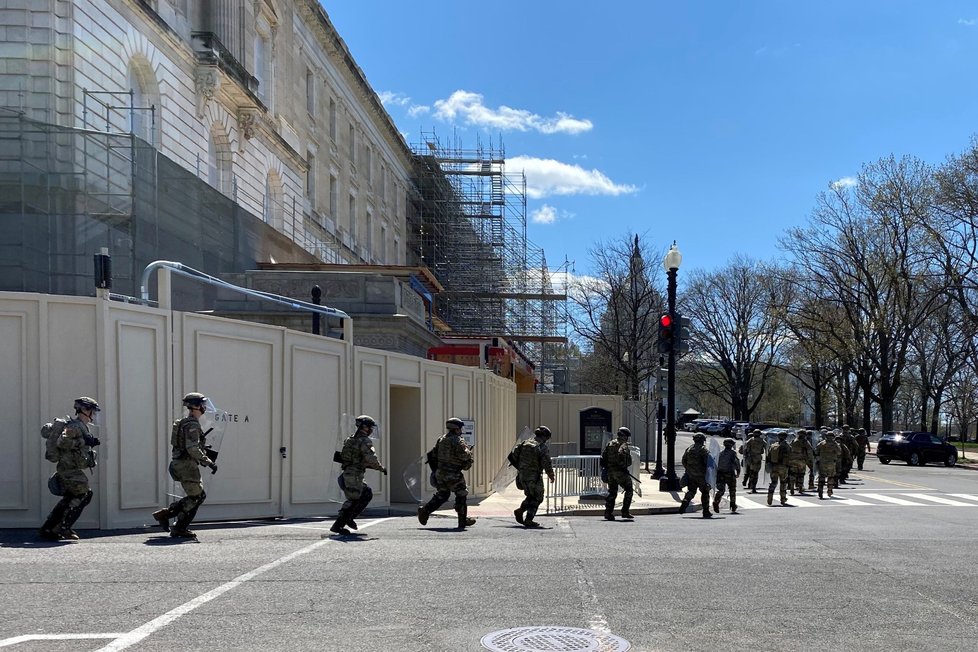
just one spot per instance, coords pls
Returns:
(670, 482)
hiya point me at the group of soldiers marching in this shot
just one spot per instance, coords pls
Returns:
(788, 464)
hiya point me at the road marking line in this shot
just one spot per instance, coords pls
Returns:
(747, 503)
(940, 500)
(906, 485)
(796, 501)
(53, 637)
(965, 496)
(891, 499)
(848, 502)
(135, 636)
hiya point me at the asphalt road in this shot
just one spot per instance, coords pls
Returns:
(856, 572)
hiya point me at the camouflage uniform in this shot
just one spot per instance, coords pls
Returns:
(800, 459)
(728, 469)
(778, 457)
(847, 442)
(356, 456)
(845, 459)
(753, 451)
(454, 456)
(695, 462)
(616, 458)
(828, 453)
(862, 443)
(74, 448)
(188, 452)
(534, 459)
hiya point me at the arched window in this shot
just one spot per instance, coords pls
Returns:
(219, 160)
(144, 119)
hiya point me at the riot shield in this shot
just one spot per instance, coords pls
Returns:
(415, 477)
(634, 469)
(711, 462)
(213, 423)
(504, 479)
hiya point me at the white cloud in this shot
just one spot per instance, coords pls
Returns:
(844, 182)
(469, 107)
(388, 98)
(967, 22)
(546, 214)
(547, 177)
(418, 109)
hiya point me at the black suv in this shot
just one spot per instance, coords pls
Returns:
(915, 448)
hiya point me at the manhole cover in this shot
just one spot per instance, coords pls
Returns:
(553, 639)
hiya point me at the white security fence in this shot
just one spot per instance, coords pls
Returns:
(576, 476)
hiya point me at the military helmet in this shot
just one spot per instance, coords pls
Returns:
(783, 434)
(862, 431)
(543, 431)
(455, 422)
(365, 420)
(194, 399)
(755, 433)
(699, 437)
(86, 403)
(624, 431)
(729, 443)
(846, 427)
(830, 435)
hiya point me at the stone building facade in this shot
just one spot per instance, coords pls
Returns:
(261, 99)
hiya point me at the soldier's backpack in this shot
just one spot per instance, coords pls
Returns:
(50, 432)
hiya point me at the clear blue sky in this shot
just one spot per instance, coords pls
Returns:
(712, 123)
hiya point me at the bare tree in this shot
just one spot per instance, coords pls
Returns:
(616, 310)
(736, 334)
(866, 249)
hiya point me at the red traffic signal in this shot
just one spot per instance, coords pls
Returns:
(665, 321)
(666, 334)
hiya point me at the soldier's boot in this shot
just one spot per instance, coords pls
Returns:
(50, 530)
(682, 507)
(625, 505)
(518, 515)
(770, 496)
(337, 527)
(528, 519)
(163, 516)
(71, 515)
(811, 482)
(464, 520)
(706, 509)
(423, 515)
(180, 530)
(716, 504)
(609, 514)
(733, 507)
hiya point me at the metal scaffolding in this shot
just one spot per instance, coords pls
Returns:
(469, 228)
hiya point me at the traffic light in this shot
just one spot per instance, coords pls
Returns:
(681, 335)
(661, 380)
(666, 333)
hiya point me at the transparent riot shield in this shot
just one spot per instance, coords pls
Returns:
(415, 477)
(213, 423)
(634, 469)
(504, 480)
(334, 476)
(711, 468)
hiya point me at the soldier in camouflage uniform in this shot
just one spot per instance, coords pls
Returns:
(454, 456)
(616, 458)
(188, 444)
(801, 458)
(728, 469)
(779, 457)
(695, 462)
(753, 451)
(828, 454)
(534, 459)
(357, 456)
(74, 459)
(862, 444)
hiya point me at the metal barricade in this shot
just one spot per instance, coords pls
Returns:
(575, 476)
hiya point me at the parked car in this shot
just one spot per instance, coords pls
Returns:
(739, 429)
(696, 424)
(915, 448)
(713, 428)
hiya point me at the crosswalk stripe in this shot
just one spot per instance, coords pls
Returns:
(795, 501)
(890, 499)
(747, 503)
(848, 502)
(940, 500)
(965, 496)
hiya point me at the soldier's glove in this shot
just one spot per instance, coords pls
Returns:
(213, 468)
(383, 470)
(90, 440)
(551, 476)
